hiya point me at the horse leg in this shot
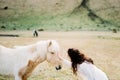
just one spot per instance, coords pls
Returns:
(17, 77)
(16, 74)
(26, 71)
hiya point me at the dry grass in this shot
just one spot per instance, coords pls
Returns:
(102, 47)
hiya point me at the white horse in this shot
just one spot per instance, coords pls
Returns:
(21, 61)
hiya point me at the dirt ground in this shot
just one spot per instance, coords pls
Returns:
(102, 47)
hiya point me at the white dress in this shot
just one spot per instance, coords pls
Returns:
(88, 71)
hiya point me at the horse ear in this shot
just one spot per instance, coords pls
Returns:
(50, 43)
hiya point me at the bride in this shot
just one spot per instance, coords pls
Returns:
(83, 66)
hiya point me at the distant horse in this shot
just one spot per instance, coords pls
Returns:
(22, 60)
(35, 33)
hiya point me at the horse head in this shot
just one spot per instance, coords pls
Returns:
(53, 52)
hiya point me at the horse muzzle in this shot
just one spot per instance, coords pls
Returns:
(58, 67)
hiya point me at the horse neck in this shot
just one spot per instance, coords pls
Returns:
(42, 50)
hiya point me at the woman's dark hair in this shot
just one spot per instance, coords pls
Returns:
(77, 58)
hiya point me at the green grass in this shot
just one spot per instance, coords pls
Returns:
(50, 22)
(55, 15)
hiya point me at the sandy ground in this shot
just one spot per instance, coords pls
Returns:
(102, 47)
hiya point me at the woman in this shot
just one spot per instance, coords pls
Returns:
(83, 66)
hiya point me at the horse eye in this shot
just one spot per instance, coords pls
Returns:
(52, 52)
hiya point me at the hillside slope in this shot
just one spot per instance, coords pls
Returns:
(60, 14)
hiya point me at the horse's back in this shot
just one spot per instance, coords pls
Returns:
(5, 50)
(2, 49)
(5, 63)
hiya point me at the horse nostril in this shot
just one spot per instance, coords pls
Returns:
(59, 67)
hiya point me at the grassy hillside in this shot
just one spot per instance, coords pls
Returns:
(59, 15)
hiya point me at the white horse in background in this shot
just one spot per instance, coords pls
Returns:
(22, 60)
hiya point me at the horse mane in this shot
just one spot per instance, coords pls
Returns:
(77, 57)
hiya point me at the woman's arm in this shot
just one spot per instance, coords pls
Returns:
(67, 62)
